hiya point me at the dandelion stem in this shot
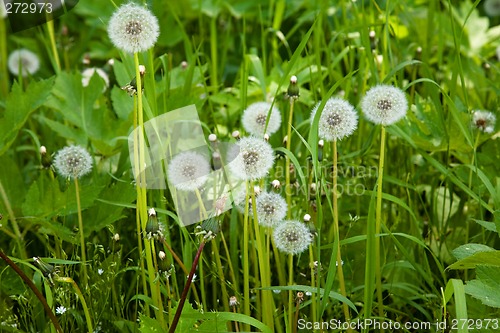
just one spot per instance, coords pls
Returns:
(340, 270)
(291, 324)
(246, 279)
(288, 191)
(378, 221)
(82, 300)
(186, 288)
(82, 238)
(50, 32)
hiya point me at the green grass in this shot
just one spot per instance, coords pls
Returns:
(419, 242)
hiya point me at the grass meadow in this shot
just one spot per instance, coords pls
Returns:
(250, 166)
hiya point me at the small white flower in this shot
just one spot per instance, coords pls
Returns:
(60, 310)
(251, 158)
(255, 117)
(194, 277)
(73, 162)
(484, 121)
(89, 72)
(337, 121)
(188, 171)
(133, 28)
(100, 271)
(24, 60)
(384, 104)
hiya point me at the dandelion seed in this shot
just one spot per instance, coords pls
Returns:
(60, 310)
(88, 73)
(492, 7)
(233, 301)
(73, 162)
(484, 121)
(133, 28)
(292, 237)
(271, 209)
(337, 121)
(188, 171)
(255, 117)
(384, 104)
(24, 60)
(251, 158)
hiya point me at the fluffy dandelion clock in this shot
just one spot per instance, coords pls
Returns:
(337, 121)
(73, 162)
(89, 72)
(384, 104)
(271, 208)
(23, 60)
(251, 158)
(188, 171)
(255, 117)
(484, 121)
(492, 7)
(133, 28)
(292, 237)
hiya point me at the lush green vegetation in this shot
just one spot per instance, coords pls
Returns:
(411, 237)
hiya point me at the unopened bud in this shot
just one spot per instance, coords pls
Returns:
(307, 218)
(161, 255)
(236, 135)
(276, 183)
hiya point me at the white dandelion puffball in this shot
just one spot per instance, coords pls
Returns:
(271, 208)
(188, 171)
(492, 7)
(133, 28)
(292, 237)
(484, 121)
(255, 117)
(250, 158)
(384, 104)
(337, 121)
(73, 162)
(89, 72)
(23, 60)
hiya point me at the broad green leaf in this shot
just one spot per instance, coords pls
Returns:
(150, 325)
(12, 183)
(20, 104)
(470, 249)
(486, 287)
(491, 258)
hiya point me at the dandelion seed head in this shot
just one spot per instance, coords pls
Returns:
(384, 104)
(25, 60)
(188, 171)
(73, 162)
(492, 7)
(255, 117)
(484, 120)
(133, 28)
(292, 237)
(271, 208)
(337, 121)
(251, 158)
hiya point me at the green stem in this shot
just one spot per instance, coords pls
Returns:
(266, 295)
(288, 190)
(18, 236)
(82, 300)
(82, 238)
(340, 270)
(246, 266)
(378, 222)
(4, 74)
(50, 31)
(290, 293)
